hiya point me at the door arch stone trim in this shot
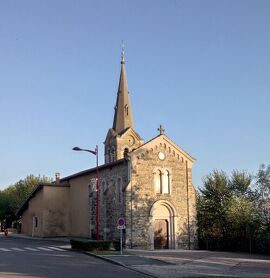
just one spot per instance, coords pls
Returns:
(172, 217)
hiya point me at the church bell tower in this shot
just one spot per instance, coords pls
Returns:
(121, 138)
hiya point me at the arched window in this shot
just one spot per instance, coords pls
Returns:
(126, 109)
(166, 183)
(158, 182)
(119, 190)
(108, 155)
(112, 154)
(162, 182)
(126, 150)
(102, 191)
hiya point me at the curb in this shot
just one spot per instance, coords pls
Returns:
(113, 262)
(40, 238)
(125, 266)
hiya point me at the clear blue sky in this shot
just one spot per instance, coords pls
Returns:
(200, 68)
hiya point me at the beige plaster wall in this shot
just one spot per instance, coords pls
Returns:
(79, 205)
(56, 211)
(35, 209)
(51, 207)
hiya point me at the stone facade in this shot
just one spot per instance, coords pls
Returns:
(119, 144)
(151, 184)
(160, 189)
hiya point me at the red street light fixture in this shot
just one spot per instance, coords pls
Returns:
(95, 152)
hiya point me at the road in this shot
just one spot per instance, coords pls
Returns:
(21, 257)
(40, 259)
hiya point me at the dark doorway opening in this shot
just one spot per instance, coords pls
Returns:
(161, 238)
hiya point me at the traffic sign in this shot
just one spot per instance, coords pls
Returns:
(121, 222)
(121, 226)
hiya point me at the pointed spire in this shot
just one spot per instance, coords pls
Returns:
(122, 115)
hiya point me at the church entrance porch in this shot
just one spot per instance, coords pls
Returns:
(162, 225)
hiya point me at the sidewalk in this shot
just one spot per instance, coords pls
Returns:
(22, 236)
(193, 263)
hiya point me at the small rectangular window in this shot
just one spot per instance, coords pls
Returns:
(36, 222)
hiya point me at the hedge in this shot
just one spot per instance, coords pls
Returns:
(90, 245)
(259, 244)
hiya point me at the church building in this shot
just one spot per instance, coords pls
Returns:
(144, 187)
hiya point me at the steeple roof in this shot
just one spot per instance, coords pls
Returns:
(123, 114)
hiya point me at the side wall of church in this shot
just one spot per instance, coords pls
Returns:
(35, 209)
(48, 213)
(56, 211)
(83, 200)
(145, 166)
(112, 181)
(79, 208)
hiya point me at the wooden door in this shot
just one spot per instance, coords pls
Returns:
(161, 239)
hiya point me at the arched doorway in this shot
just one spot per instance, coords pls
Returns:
(161, 234)
(162, 225)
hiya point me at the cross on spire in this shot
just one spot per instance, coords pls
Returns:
(123, 53)
(161, 130)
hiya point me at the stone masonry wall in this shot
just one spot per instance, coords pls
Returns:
(112, 180)
(138, 204)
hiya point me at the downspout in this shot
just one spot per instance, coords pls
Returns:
(188, 224)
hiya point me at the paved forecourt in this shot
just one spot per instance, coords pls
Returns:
(194, 263)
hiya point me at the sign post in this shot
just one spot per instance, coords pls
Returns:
(121, 226)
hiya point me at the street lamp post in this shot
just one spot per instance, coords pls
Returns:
(95, 152)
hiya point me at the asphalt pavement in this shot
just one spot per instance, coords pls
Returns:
(51, 258)
(186, 263)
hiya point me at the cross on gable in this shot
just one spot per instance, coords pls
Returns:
(161, 129)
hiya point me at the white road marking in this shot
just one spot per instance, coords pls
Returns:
(44, 249)
(56, 249)
(4, 249)
(37, 249)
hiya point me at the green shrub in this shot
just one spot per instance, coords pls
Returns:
(116, 245)
(90, 245)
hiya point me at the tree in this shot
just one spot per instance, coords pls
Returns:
(225, 210)
(241, 212)
(212, 204)
(13, 196)
(233, 212)
(240, 183)
(263, 195)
